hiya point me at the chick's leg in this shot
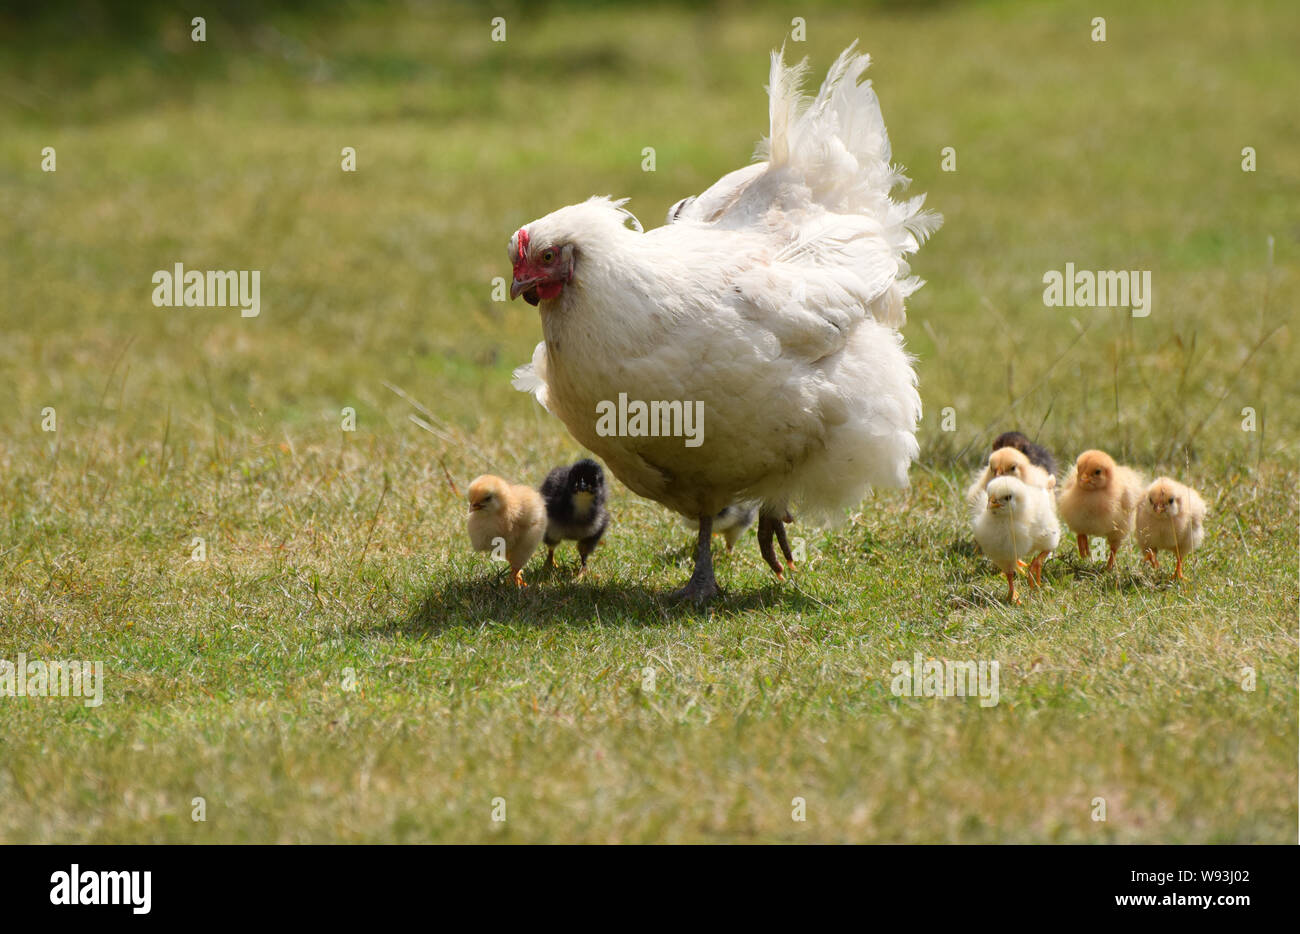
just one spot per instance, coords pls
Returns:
(585, 547)
(1149, 556)
(1113, 544)
(1084, 551)
(1178, 568)
(1012, 596)
(702, 586)
(1036, 569)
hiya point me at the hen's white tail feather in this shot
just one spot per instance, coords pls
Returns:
(828, 169)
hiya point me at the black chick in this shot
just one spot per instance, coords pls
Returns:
(1036, 453)
(575, 508)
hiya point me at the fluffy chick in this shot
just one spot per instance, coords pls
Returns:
(1011, 462)
(1100, 498)
(575, 508)
(1171, 517)
(731, 522)
(1037, 454)
(1015, 521)
(502, 512)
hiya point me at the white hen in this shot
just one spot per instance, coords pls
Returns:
(773, 299)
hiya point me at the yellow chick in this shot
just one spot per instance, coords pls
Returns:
(1100, 498)
(1170, 517)
(1010, 462)
(1015, 521)
(506, 519)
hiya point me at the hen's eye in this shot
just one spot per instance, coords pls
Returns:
(548, 256)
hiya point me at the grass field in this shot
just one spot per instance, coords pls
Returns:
(335, 557)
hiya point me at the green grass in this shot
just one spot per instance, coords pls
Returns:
(330, 551)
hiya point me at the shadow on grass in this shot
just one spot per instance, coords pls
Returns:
(557, 598)
(975, 582)
(1125, 577)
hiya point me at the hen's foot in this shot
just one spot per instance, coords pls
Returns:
(697, 591)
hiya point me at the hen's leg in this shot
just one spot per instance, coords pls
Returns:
(702, 586)
(769, 526)
(765, 532)
(783, 542)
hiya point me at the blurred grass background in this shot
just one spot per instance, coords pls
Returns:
(332, 550)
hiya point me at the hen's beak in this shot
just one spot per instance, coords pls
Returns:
(520, 286)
